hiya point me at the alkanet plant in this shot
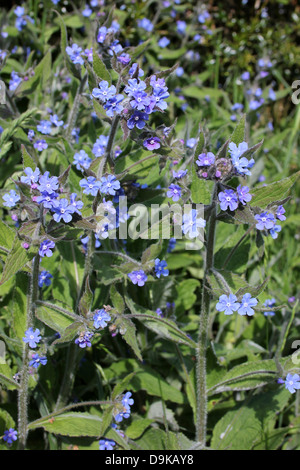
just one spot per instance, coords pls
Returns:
(111, 325)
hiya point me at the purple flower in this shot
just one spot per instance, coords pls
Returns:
(206, 159)
(100, 318)
(102, 32)
(280, 213)
(55, 121)
(40, 145)
(179, 174)
(115, 48)
(32, 337)
(31, 135)
(228, 199)
(174, 192)
(109, 185)
(62, 210)
(45, 248)
(90, 185)
(191, 224)
(36, 360)
(292, 382)
(45, 278)
(14, 81)
(246, 306)
(243, 194)
(84, 338)
(160, 95)
(104, 92)
(245, 76)
(138, 277)
(47, 184)
(74, 53)
(11, 435)
(265, 220)
(106, 444)
(152, 143)
(124, 58)
(161, 268)
(137, 119)
(32, 176)
(11, 198)
(133, 69)
(228, 304)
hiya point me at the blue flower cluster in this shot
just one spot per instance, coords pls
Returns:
(266, 221)
(229, 304)
(230, 199)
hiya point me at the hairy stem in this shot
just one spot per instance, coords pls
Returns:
(75, 109)
(23, 397)
(201, 413)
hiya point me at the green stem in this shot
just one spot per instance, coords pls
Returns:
(201, 411)
(108, 153)
(23, 396)
(75, 109)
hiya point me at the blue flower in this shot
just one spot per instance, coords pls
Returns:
(145, 24)
(62, 210)
(45, 248)
(122, 414)
(113, 106)
(280, 213)
(106, 444)
(82, 160)
(269, 303)
(40, 145)
(36, 361)
(138, 277)
(47, 199)
(14, 81)
(137, 119)
(179, 174)
(174, 192)
(246, 306)
(11, 435)
(161, 268)
(102, 32)
(292, 382)
(100, 146)
(32, 337)
(163, 42)
(45, 278)
(76, 205)
(104, 92)
(171, 245)
(32, 176)
(74, 53)
(181, 26)
(191, 224)
(115, 48)
(48, 184)
(228, 304)
(87, 11)
(44, 127)
(30, 135)
(133, 69)
(109, 185)
(140, 100)
(265, 220)
(55, 120)
(242, 165)
(127, 402)
(100, 318)
(90, 185)
(228, 200)
(11, 198)
(160, 95)
(134, 86)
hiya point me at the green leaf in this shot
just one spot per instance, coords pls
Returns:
(121, 386)
(100, 68)
(138, 427)
(6, 377)
(7, 236)
(238, 135)
(20, 304)
(17, 259)
(185, 293)
(200, 188)
(86, 300)
(151, 252)
(129, 335)
(245, 425)
(117, 299)
(28, 161)
(42, 73)
(55, 317)
(71, 424)
(262, 197)
(162, 326)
